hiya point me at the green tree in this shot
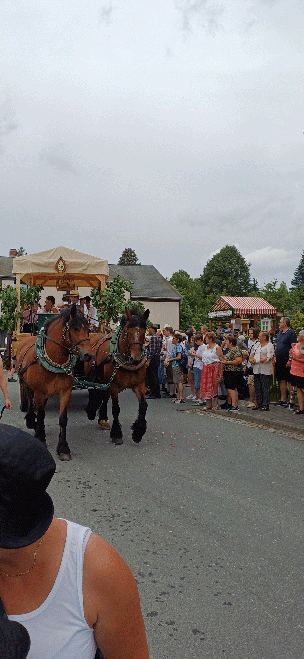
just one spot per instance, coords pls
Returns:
(21, 251)
(298, 321)
(111, 302)
(298, 277)
(195, 305)
(226, 272)
(128, 257)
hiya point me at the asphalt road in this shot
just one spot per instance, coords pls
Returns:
(207, 512)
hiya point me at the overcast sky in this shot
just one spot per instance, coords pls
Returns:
(173, 127)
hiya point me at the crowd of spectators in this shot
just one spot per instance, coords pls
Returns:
(226, 365)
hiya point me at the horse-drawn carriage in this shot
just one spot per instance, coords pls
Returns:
(46, 363)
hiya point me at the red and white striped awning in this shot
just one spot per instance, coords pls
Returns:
(242, 306)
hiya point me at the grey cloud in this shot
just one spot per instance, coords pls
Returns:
(8, 122)
(193, 9)
(58, 162)
(105, 14)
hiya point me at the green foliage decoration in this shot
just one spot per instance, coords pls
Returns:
(21, 251)
(9, 313)
(111, 302)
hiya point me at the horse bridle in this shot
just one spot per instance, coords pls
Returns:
(124, 338)
(73, 348)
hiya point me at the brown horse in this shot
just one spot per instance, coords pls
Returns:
(119, 363)
(45, 366)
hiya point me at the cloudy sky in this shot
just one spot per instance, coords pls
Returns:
(173, 127)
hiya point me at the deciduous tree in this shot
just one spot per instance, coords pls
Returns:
(226, 273)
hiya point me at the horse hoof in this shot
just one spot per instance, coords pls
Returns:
(104, 424)
(117, 441)
(64, 457)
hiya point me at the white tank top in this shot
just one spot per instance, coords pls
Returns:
(58, 629)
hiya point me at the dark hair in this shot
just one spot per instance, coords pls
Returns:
(255, 332)
(51, 298)
(178, 336)
(87, 298)
(232, 339)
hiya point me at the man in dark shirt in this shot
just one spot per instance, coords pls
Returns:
(153, 355)
(285, 338)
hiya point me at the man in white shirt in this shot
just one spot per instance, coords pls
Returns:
(92, 313)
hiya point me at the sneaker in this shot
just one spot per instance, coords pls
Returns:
(251, 405)
(191, 397)
(233, 409)
(291, 406)
(179, 400)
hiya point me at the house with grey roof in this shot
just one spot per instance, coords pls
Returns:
(153, 290)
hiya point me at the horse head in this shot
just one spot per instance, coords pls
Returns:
(75, 333)
(132, 336)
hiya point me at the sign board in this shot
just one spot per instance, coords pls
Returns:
(220, 314)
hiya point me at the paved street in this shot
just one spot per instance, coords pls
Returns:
(207, 511)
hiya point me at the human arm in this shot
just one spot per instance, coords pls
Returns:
(111, 603)
(3, 387)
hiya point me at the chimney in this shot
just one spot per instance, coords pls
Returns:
(13, 252)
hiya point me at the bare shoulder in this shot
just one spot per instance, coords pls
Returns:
(111, 602)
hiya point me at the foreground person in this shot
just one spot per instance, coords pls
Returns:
(3, 387)
(67, 586)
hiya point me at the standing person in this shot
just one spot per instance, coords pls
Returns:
(3, 387)
(232, 370)
(297, 370)
(168, 334)
(67, 586)
(261, 359)
(286, 337)
(153, 359)
(253, 334)
(177, 371)
(26, 318)
(211, 372)
(197, 353)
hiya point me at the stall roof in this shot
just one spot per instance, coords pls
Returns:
(40, 268)
(244, 305)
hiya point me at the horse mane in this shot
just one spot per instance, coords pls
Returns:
(137, 320)
(75, 322)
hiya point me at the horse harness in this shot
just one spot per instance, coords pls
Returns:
(42, 357)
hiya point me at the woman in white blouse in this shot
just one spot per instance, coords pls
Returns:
(261, 358)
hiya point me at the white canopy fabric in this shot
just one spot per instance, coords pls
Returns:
(40, 268)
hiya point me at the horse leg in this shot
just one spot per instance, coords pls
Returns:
(116, 432)
(103, 411)
(41, 402)
(63, 449)
(30, 417)
(95, 400)
(140, 425)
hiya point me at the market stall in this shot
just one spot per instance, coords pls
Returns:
(242, 312)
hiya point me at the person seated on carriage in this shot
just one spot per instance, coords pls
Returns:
(49, 306)
(92, 314)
